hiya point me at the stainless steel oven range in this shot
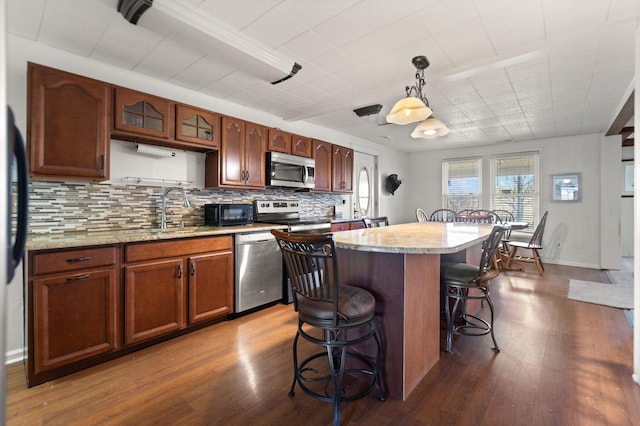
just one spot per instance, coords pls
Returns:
(287, 212)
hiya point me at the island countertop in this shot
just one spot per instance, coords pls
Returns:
(414, 238)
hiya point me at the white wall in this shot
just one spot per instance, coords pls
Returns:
(21, 51)
(575, 225)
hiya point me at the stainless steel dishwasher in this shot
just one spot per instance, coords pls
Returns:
(258, 270)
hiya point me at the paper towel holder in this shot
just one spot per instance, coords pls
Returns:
(154, 151)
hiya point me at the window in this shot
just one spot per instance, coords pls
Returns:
(462, 183)
(515, 182)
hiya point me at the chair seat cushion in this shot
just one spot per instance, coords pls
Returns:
(354, 304)
(456, 273)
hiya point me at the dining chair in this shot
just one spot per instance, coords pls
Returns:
(461, 282)
(485, 216)
(534, 245)
(443, 215)
(333, 316)
(421, 216)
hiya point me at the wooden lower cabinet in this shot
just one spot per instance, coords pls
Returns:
(210, 286)
(90, 304)
(166, 294)
(347, 225)
(75, 317)
(72, 306)
(154, 300)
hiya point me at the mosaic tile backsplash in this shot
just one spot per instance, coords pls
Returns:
(57, 207)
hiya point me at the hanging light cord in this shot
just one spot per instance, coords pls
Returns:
(421, 63)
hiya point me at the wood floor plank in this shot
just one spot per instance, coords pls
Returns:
(562, 362)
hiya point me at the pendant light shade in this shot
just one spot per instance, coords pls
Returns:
(409, 110)
(430, 128)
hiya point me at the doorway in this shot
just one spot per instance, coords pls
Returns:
(366, 184)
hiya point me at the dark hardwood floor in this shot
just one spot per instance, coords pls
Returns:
(562, 363)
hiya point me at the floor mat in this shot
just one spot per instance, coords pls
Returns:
(614, 295)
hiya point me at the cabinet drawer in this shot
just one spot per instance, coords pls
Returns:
(136, 252)
(50, 262)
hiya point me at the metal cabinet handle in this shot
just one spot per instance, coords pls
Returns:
(78, 277)
(193, 268)
(179, 271)
(79, 259)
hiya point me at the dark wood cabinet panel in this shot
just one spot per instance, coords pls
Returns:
(73, 300)
(255, 160)
(301, 146)
(75, 316)
(141, 114)
(210, 286)
(154, 299)
(68, 125)
(322, 153)
(279, 141)
(240, 162)
(232, 152)
(342, 169)
(347, 225)
(197, 126)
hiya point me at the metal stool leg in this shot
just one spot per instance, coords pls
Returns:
(295, 363)
(496, 349)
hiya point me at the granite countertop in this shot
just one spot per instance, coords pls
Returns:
(414, 238)
(78, 239)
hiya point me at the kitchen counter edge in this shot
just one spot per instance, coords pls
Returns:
(97, 238)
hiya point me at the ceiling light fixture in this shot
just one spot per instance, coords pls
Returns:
(430, 128)
(208, 36)
(415, 107)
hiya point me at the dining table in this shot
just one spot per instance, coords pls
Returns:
(400, 266)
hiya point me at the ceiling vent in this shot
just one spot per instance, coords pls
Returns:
(210, 37)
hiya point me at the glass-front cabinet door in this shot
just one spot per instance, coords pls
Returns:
(142, 114)
(197, 126)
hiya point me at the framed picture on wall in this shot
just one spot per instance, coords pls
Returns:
(627, 178)
(566, 187)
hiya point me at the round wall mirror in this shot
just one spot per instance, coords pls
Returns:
(364, 184)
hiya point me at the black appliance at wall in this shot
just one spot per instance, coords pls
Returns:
(17, 149)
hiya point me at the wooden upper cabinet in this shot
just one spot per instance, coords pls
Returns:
(67, 125)
(197, 126)
(322, 153)
(232, 152)
(142, 114)
(240, 161)
(301, 146)
(255, 161)
(342, 168)
(279, 141)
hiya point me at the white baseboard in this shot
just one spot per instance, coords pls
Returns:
(14, 357)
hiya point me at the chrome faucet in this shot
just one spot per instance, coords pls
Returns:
(185, 200)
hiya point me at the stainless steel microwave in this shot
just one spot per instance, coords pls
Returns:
(290, 170)
(228, 214)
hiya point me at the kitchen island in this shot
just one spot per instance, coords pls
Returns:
(400, 265)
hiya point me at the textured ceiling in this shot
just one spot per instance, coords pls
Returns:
(501, 70)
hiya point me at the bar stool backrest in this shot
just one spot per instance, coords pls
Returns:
(312, 267)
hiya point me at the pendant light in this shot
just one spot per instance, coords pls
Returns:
(430, 128)
(415, 107)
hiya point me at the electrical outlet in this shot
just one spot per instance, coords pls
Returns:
(558, 244)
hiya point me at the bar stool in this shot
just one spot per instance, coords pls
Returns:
(336, 317)
(461, 282)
